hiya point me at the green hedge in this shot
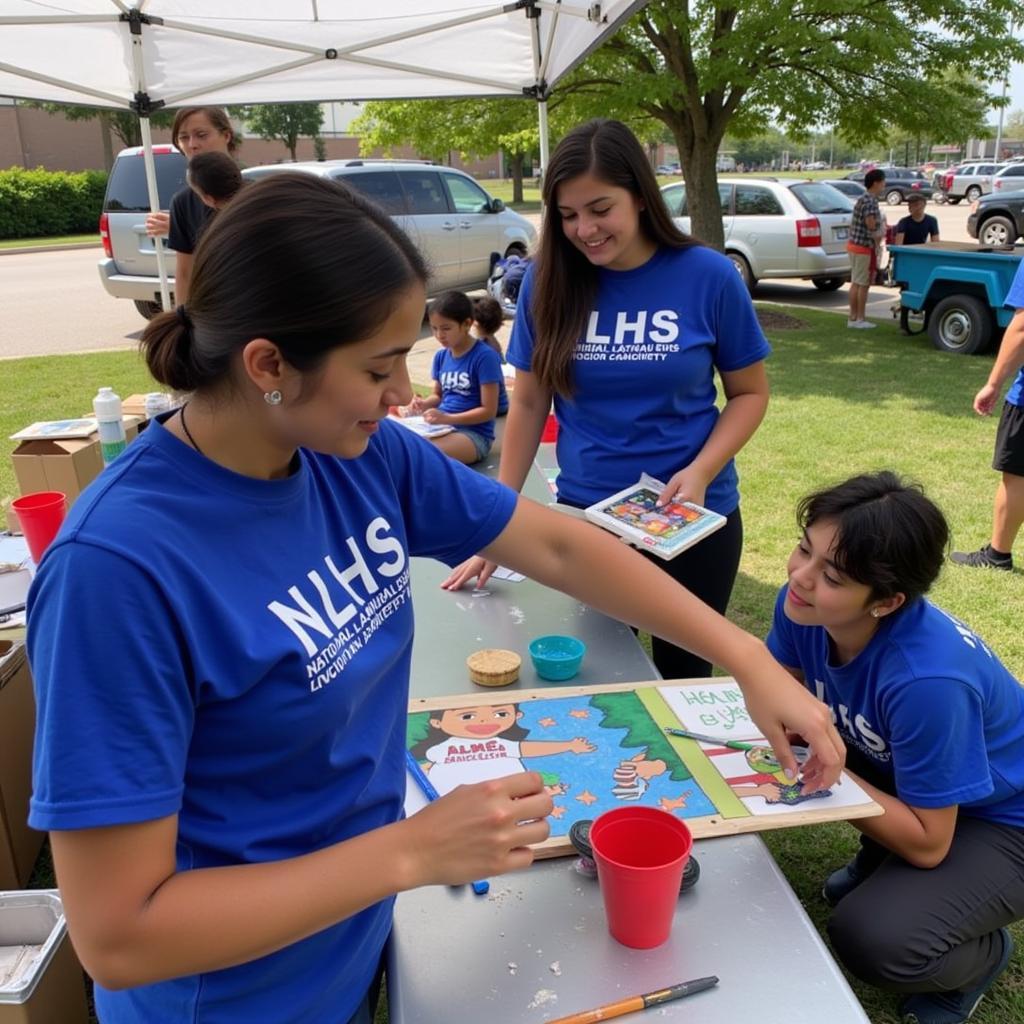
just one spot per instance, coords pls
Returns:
(38, 202)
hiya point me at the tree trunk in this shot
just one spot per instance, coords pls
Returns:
(292, 143)
(108, 145)
(515, 162)
(697, 157)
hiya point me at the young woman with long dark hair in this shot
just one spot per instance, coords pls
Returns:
(624, 321)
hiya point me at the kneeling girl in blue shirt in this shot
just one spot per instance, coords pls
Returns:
(221, 638)
(467, 382)
(934, 728)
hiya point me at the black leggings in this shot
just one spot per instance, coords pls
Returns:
(908, 929)
(708, 570)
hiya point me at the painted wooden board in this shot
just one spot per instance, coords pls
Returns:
(599, 747)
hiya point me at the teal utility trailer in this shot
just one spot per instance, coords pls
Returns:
(959, 287)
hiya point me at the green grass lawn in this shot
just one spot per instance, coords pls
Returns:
(46, 243)
(842, 402)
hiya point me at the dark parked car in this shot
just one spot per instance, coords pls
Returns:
(853, 189)
(997, 219)
(899, 183)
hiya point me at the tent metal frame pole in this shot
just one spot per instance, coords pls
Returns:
(139, 69)
(120, 102)
(591, 12)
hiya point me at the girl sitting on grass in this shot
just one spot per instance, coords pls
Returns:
(934, 729)
(466, 375)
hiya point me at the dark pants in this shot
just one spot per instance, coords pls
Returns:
(708, 570)
(908, 929)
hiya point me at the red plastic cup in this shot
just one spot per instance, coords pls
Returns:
(640, 853)
(40, 515)
(550, 433)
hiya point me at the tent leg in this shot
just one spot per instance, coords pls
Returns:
(154, 206)
(545, 146)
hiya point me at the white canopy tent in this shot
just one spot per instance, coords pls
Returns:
(145, 55)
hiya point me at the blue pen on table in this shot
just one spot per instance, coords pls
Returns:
(427, 789)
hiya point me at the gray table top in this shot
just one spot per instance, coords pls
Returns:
(537, 947)
(450, 627)
(451, 953)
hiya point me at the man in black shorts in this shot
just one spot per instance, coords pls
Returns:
(1008, 511)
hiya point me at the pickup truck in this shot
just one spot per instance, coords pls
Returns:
(959, 287)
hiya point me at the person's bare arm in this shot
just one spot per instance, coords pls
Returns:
(134, 919)
(580, 559)
(920, 835)
(899, 238)
(182, 276)
(486, 411)
(529, 405)
(746, 393)
(1008, 361)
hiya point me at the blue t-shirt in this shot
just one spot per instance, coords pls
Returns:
(236, 651)
(460, 378)
(643, 372)
(928, 702)
(1015, 300)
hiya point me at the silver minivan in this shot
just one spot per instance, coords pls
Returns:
(460, 229)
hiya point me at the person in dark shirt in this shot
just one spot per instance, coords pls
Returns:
(918, 227)
(195, 130)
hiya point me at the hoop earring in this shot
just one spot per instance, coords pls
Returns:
(273, 397)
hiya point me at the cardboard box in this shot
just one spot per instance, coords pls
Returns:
(62, 464)
(42, 979)
(19, 844)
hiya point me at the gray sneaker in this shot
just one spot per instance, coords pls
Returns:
(983, 558)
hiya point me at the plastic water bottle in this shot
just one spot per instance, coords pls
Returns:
(107, 407)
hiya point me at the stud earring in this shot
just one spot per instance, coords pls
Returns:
(875, 613)
(272, 397)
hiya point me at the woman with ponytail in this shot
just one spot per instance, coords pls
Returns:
(221, 638)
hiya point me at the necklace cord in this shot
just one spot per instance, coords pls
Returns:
(184, 426)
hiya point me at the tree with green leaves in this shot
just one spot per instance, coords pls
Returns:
(704, 67)
(478, 127)
(286, 122)
(434, 128)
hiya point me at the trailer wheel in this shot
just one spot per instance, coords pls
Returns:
(960, 324)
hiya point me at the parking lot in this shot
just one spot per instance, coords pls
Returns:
(53, 301)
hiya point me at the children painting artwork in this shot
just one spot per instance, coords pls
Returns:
(219, 751)
(466, 379)
(934, 727)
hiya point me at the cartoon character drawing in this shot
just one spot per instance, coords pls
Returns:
(768, 780)
(473, 744)
(631, 778)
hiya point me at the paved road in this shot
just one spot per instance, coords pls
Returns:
(53, 302)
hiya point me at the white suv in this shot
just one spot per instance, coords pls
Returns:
(457, 226)
(779, 229)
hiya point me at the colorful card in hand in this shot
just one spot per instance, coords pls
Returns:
(664, 530)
